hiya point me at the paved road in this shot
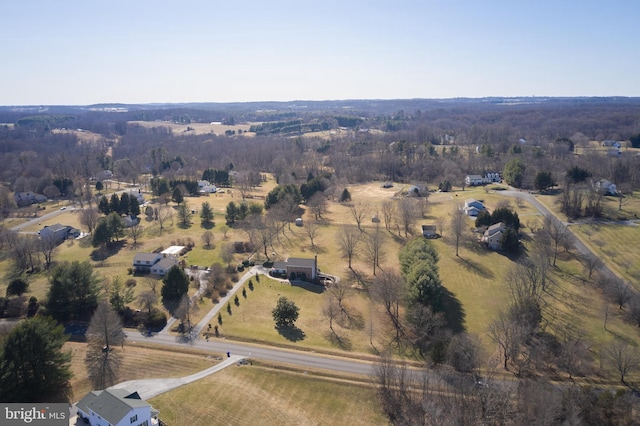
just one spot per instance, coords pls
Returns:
(299, 358)
(578, 244)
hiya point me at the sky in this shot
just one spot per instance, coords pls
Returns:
(69, 52)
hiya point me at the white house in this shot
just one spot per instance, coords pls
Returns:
(472, 180)
(493, 235)
(493, 177)
(162, 267)
(116, 407)
(472, 207)
(606, 187)
(206, 187)
(142, 262)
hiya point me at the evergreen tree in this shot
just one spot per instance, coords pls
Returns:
(134, 207)
(73, 291)
(114, 203)
(285, 313)
(514, 172)
(206, 213)
(33, 366)
(103, 206)
(124, 204)
(232, 213)
(345, 196)
(177, 196)
(174, 285)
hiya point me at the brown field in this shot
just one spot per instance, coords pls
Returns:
(139, 362)
(258, 395)
(198, 128)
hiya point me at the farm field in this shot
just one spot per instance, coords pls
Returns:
(197, 128)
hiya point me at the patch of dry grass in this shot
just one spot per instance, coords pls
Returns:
(255, 395)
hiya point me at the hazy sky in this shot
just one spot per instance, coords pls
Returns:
(134, 51)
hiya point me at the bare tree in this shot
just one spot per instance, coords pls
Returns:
(388, 288)
(359, 212)
(163, 214)
(621, 292)
(374, 247)
(318, 205)
(24, 252)
(591, 264)
(135, 232)
(147, 300)
(207, 238)
(349, 240)
(331, 310)
(48, 244)
(457, 225)
(152, 284)
(339, 291)
(504, 332)
(624, 358)
(89, 218)
(408, 213)
(185, 310)
(104, 333)
(226, 253)
(558, 233)
(388, 213)
(312, 231)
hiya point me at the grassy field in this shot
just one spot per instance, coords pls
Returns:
(474, 280)
(139, 362)
(255, 395)
(197, 128)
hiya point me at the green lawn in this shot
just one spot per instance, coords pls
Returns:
(252, 319)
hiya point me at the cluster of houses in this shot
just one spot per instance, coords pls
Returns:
(157, 263)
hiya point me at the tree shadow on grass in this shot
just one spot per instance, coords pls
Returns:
(453, 311)
(314, 288)
(105, 252)
(343, 343)
(209, 225)
(291, 333)
(476, 267)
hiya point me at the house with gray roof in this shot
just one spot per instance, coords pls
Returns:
(297, 268)
(162, 267)
(116, 407)
(58, 232)
(142, 262)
